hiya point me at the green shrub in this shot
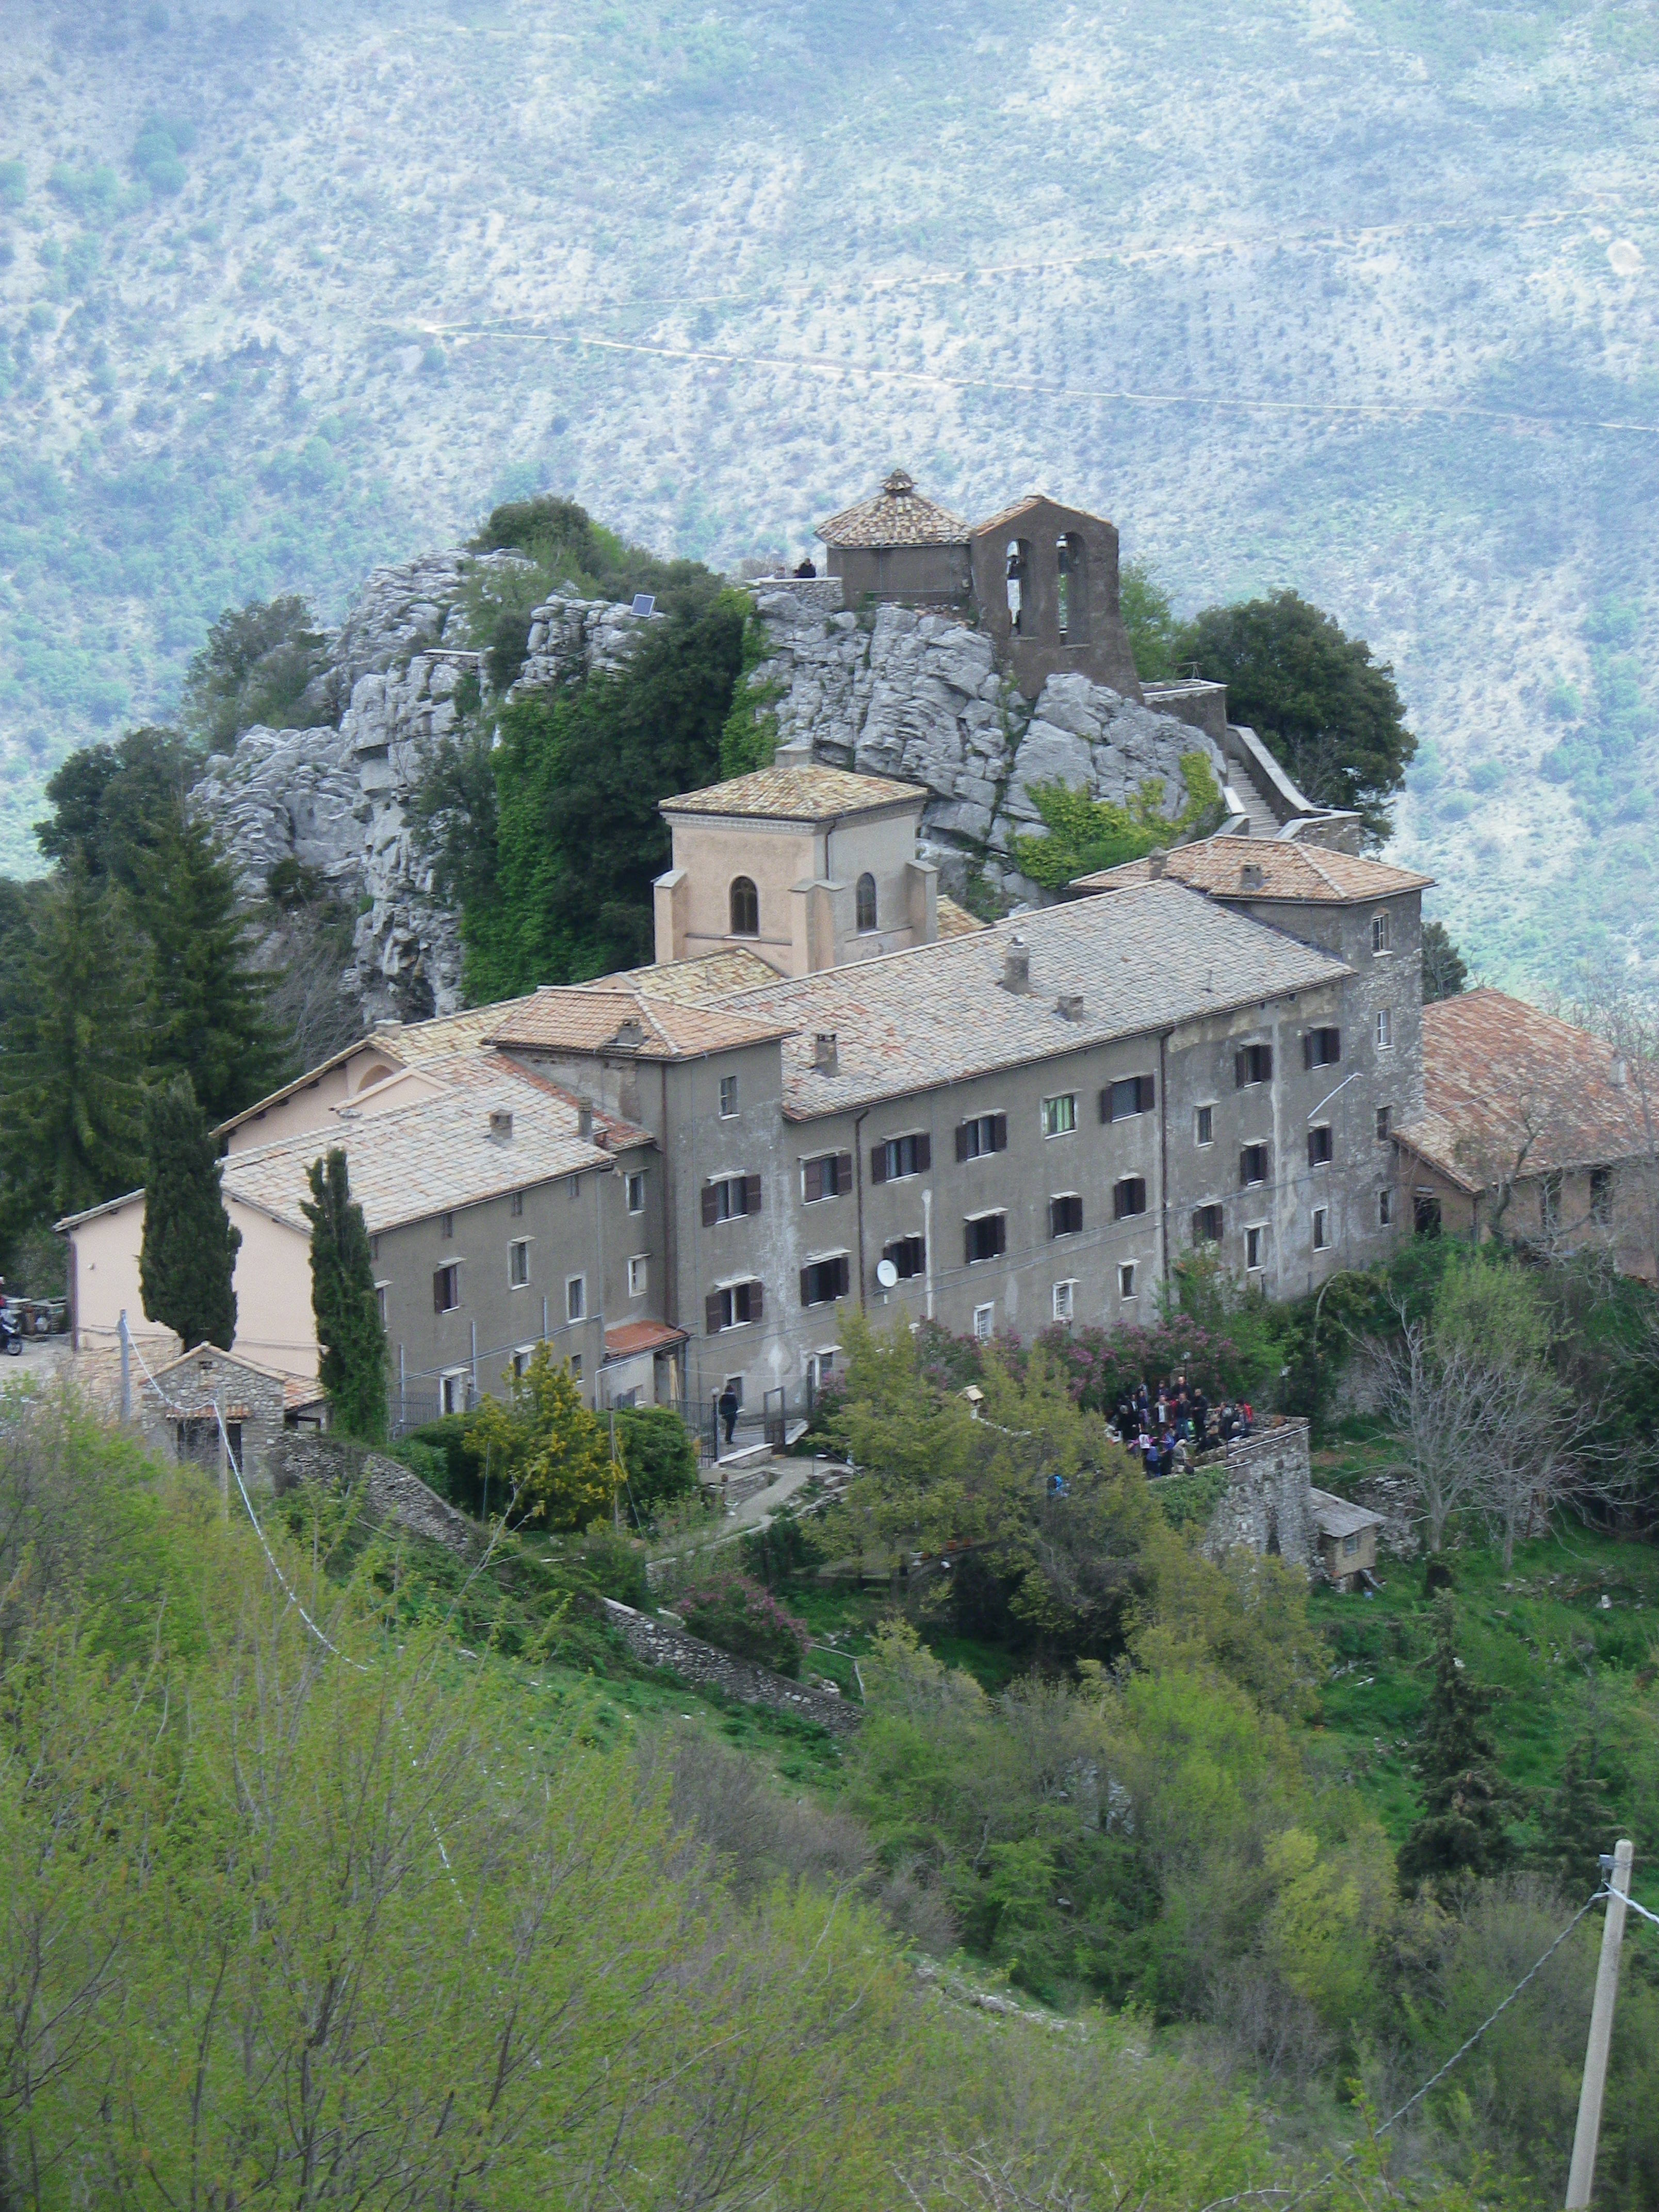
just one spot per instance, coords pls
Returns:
(741, 1617)
(616, 1566)
(1085, 834)
(658, 1452)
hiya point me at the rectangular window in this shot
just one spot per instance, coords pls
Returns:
(1253, 1164)
(898, 1156)
(1384, 1030)
(518, 1206)
(1128, 1198)
(909, 1254)
(639, 1270)
(1206, 1224)
(1132, 1094)
(1549, 1204)
(1601, 1195)
(1060, 1115)
(1125, 1280)
(1319, 1145)
(985, 1324)
(575, 1364)
(575, 1297)
(1382, 932)
(446, 1225)
(521, 1359)
(825, 1280)
(728, 1096)
(380, 1290)
(1065, 1296)
(1384, 1208)
(518, 1262)
(830, 1176)
(452, 1391)
(636, 1193)
(1384, 1123)
(731, 1198)
(1350, 1546)
(986, 1133)
(987, 1237)
(1252, 1064)
(1206, 1131)
(373, 1247)
(1066, 1215)
(445, 1289)
(1252, 1248)
(1322, 1228)
(1322, 1047)
(734, 1305)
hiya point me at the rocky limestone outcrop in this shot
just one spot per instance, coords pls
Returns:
(918, 696)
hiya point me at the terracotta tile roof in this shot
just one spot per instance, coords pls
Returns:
(937, 1014)
(697, 982)
(438, 1154)
(617, 1017)
(631, 1338)
(1289, 871)
(1509, 1090)
(809, 793)
(897, 515)
(955, 920)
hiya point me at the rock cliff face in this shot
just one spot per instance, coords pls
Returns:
(911, 696)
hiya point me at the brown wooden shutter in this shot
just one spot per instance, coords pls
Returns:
(999, 1233)
(878, 1162)
(999, 1132)
(1307, 1048)
(968, 1243)
(756, 1300)
(1239, 1077)
(751, 1193)
(843, 1276)
(806, 1286)
(962, 1139)
(438, 1291)
(711, 1205)
(924, 1152)
(714, 1312)
(1106, 1103)
(814, 1182)
(1146, 1094)
(844, 1173)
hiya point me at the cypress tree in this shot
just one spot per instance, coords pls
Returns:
(354, 1361)
(74, 1059)
(189, 1255)
(1578, 1825)
(1461, 1831)
(209, 1003)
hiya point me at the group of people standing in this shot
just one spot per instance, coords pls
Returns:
(1166, 1424)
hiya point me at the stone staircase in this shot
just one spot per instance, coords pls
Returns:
(1260, 820)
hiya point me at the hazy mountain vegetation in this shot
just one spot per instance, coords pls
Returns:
(1344, 297)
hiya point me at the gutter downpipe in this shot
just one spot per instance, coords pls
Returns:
(1163, 1155)
(928, 1243)
(858, 1186)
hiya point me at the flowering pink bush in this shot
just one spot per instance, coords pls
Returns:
(742, 1618)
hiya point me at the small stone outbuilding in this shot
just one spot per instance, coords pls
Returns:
(180, 1412)
(899, 548)
(1346, 1537)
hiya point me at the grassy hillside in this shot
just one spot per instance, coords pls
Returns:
(1351, 294)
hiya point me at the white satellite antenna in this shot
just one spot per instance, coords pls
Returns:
(886, 1274)
(645, 603)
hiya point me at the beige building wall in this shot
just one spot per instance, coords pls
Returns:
(806, 875)
(313, 1105)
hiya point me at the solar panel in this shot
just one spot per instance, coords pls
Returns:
(645, 603)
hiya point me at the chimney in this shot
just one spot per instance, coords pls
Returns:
(823, 1052)
(797, 753)
(1252, 877)
(1156, 861)
(1069, 1005)
(501, 1123)
(1017, 966)
(584, 1121)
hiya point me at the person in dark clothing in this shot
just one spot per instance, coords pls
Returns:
(806, 568)
(729, 1411)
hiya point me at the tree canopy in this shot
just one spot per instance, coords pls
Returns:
(188, 1257)
(353, 1366)
(1444, 970)
(255, 669)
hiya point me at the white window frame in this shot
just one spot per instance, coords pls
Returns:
(729, 1108)
(1385, 1207)
(1385, 1124)
(1254, 1233)
(452, 1383)
(1322, 1228)
(1381, 934)
(1064, 1299)
(1125, 1280)
(516, 1282)
(1199, 1138)
(1384, 1029)
(522, 1356)
(578, 1285)
(381, 1290)
(638, 1274)
(634, 1186)
(1055, 1109)
(985, 1323)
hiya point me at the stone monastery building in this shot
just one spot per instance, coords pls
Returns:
(832, 1088)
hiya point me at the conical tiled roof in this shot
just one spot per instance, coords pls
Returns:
(897, 515)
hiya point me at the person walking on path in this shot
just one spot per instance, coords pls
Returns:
(729, 1411)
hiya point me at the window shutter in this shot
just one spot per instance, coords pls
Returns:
(1241, 1064)
(962, 1139)
(878, 1162)
(438, 1291)
(967, 1252)
(843, 1276)
(1106, 1103)
(814, 1182)
(756, 1300)
(751, 1193)
(1148, 1092)
(924, 1152)
(999, 1132)
(711, 1206)
(713, 1313)
(999, 1233)
(1308, 1048)
(806, 1286)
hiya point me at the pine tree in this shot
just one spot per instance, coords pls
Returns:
(209, 1003)
(1461, 1830)
(74, 1058)
(354, 1361)
(1578, 1824)
(189, 1255)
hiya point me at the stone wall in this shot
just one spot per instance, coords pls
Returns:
(1266, 1506)
(659, 1644)
(177, 1412)
(392, 1493)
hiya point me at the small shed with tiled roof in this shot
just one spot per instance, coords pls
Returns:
(899, 546)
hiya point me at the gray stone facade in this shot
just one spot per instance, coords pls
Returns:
(180, 1412)
(392, 1493)
(1267, 1504)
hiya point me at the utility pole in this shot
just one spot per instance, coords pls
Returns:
(1580, 2177)
(126, 1368)
(224, 1452)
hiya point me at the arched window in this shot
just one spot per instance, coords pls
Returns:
(866, 900)
(745, 907)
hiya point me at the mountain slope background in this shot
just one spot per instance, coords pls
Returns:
(1352, 294)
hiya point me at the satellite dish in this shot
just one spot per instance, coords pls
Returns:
(886, 1274)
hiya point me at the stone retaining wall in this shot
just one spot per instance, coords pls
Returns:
(393, 1493)
(658, 1643)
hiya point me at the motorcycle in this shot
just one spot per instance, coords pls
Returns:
(11, 1334)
